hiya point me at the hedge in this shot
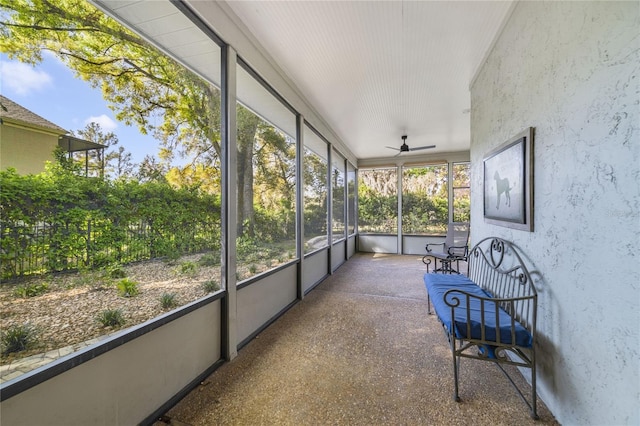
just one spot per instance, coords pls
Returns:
(57, 221)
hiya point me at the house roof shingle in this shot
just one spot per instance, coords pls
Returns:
(19, 113)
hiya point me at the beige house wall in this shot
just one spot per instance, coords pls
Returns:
(24, 149)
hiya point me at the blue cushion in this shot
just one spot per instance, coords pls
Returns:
(438, 284)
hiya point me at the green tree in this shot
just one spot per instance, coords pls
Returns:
(116, 162)
(139, 83)
(143, 86)
(151, 169)
(119, 165)
(378, 200)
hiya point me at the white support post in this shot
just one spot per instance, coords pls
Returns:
(300, 204)
(229, 202)
(399, 177)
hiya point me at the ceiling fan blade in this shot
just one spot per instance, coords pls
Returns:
(422, 147)
(391, 147)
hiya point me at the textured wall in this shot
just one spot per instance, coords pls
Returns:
(570, 69)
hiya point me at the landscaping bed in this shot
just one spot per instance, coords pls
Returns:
(64, 309)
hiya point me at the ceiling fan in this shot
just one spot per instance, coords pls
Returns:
(405, 148)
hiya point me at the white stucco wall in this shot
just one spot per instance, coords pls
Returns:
(571, 70)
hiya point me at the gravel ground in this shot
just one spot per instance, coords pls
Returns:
(66, 313)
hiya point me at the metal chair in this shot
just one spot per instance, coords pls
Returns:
(455, 248)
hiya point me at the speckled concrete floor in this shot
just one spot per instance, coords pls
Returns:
(360, 349)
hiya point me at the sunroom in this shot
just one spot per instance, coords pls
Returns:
(269, 158)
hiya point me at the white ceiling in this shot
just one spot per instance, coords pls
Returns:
(374, 70)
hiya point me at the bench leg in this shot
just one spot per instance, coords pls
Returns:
(456, 367)
(534, 394)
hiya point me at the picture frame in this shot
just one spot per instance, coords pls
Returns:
(508, 183)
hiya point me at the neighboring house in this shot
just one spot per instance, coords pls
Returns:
(27, 140)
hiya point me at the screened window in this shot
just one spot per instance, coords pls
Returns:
(338, 198)
(425, 205)
(316, 212)
(266, 215)
(378, 200)
(135, 225)
(351, 199)
(461, 192)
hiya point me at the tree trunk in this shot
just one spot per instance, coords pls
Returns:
(247, 127)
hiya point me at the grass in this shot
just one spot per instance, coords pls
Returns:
(168, 301)
(187, 268)
(31, 290)
(211, 286)
(209, 259)
(111, 318)
(94, 279)
(17, 338)
(116, 271)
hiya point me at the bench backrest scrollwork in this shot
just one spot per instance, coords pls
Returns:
(496, 266)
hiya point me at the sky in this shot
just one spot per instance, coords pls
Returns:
(52, 91)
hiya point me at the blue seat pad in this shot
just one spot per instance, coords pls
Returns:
(438, 284)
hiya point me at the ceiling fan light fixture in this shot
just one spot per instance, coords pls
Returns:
(405, 148)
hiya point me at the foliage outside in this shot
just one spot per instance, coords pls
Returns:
(210, 286)
(58, 221)
(111, 318)
(17, 338)
(168, 300)
(109, 223)
(378, 201)
(127, 288)
(338, 193)
(425, 207)
(315, 201)
(31, 289)
(147, 89)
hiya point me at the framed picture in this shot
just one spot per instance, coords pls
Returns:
(508, 183)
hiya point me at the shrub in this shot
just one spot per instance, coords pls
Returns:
(95, 280)
(30, 290)
(116, 271)
(210, 286)
(127, 288)
(93, 220)
(209, 259)
(169, 253)
(187, 268)
(81, 279)
(17, 338)
(111, 318)
(168, 300)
